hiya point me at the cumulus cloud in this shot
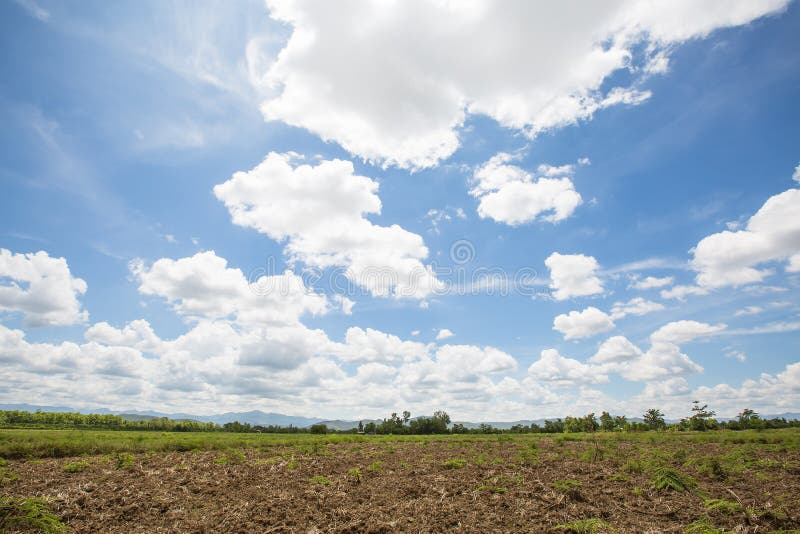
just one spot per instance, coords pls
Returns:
(736, 258)
(683, 291)
(511, 195)
(470, 58)
(320, 212)
(444, 333)
(614, 350)
(749, 310)
(204, 286)
(554, 368)
(573, 275)
(42, 288)
(586, 323)
(635, 306)
(369, 345)
(683, 331)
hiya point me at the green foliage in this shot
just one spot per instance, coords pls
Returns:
(592, 525)
(493, 489)
(319, 479)
(458, 463)
(633, 466)
(355, 474)
(124, 460)
(528, 456)
(666, 478)
(375, 466)
(319, 428)
(702, 526)
(232, 456)
(722, 506)
(28, 514)
(292, 464)
(75, 467)
(567, 487)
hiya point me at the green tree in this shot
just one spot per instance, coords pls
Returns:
(702, 418)
(654, 419)
(606, 421)
(748, 419)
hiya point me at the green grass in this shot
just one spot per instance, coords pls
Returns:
(30, 443)
(458, 463)
(319, 479)
(28, 514)
(75, 467)
(585, 526)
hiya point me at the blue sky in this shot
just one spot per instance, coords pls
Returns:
(158, 158)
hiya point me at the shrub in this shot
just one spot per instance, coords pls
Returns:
(124, 460)
(670, 479)
(75, 467)
(722, 506)
(585, 526)
(28, 514)
(355, 474)
(459, 463)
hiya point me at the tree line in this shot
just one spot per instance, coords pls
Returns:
(701, 418)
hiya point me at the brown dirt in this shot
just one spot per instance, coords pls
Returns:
(411, 491)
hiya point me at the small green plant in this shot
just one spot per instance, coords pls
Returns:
(28, 514)
(232, 456)
(722, 506)
(527, 457)
(702, 526)
(459, 463)
(591, 525)
(633, 466)
(75, 467)
(124, 460)
(292, 464)
(670, 479)
(568, 487)
(375, 466)
(319, 479)
(355, 474)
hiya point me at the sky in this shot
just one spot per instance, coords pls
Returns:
(507, 210)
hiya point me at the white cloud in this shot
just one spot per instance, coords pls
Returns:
(635, 306)
(749, 310)
(320, 212)
(796, 174)
(736, 355)
(732, 258)
(511, 195)
(614, 350)
(651, 282)
(681, 292)
(41, 288)
(420, 91)
(678, 332)
(137, 334)
(564, 372)
(573, 275)
(444, 333)
(368, 345)
(587, 323)
(204, 286)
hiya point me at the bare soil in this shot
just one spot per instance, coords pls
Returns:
(504, 487)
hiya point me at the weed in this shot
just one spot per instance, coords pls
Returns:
(585, 526)
(527, 457)
(567, 487)
(28, 514)
(292, 464)
(459, 463)
(232, 456)
(637, 491)
(702, 526)
(124, 460)
(375, 466)
(618, 477)
(722, 506)
(75, 467)
(319, 479)
(355, 474)
(493, 489)
(670, 479)
(633, 466)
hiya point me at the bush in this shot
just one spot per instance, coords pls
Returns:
(124, 460)
(459, 463)
(670, 479)
(75, 467)
(28, 514)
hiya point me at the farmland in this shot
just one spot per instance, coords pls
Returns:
(127, 481)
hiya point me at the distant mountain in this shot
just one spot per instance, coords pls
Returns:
(257, 417)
